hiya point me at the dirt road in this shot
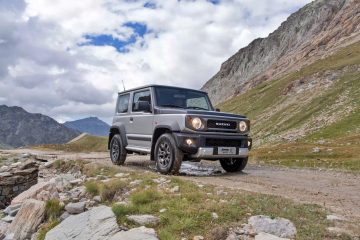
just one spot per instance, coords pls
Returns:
(337, 191)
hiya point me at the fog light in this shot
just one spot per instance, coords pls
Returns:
(189, 141)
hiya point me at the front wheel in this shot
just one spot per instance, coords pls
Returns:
(168, 156)
(233, 164)
(117, 150)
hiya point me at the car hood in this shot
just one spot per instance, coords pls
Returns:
(196, 112)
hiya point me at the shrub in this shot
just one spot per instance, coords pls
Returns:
(93, 188)
(53, 209)
(45, 228)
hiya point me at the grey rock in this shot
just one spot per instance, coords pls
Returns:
(8, 219)
(28, 219)
(64, 216)
(12, 209)
(334, 218)
(144, 219)
(75, 208)
(97, 199)
(99, 223)
(267, 236)
(279, 227)
(141, 233)
(5, 174)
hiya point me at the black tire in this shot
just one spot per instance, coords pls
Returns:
(117, 150)
(233, 164)
(168, 156)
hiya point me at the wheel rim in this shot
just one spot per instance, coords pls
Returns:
(164, 154)
(115, 150)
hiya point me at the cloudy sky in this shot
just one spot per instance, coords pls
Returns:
(67, 59)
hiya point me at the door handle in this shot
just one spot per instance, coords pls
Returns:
(131, 119)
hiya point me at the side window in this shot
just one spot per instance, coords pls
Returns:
(140, 96)
(123, 103)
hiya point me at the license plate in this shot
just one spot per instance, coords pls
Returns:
(227, 150)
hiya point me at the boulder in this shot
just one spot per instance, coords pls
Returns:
(140, 233)
(12, 210)
(279, 227)
(95, 224)
(75, 208)
(3, 227)
(33, 191)
(267, 236)
(144, 219)
(28, 219)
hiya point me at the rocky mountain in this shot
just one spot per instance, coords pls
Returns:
(313, 32)
(21, 128)
(302, 82)
(91, 125)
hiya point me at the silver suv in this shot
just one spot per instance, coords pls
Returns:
(175, 124)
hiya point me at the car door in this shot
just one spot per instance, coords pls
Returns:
(140, 122)
(121, 118)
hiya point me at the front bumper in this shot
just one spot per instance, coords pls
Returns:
(207, 146)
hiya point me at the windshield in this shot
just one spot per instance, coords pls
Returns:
(182, 98)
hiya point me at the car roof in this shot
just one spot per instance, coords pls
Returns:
(156, 85)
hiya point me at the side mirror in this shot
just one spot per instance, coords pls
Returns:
(143, 106)
(217, 109)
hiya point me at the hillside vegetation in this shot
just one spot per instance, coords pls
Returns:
(319, 104)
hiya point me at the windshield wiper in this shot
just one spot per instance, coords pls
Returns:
(198, 108)
(171, 105)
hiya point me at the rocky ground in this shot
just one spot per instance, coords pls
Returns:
(90, 199)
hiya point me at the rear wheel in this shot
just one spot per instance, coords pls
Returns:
(168, 156)
(233, 164)
(117, 150)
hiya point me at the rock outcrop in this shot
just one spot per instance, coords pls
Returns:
(311, 33)
(15, 179)
(27, 220)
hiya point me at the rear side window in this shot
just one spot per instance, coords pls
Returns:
(141, 96)
(123, 103)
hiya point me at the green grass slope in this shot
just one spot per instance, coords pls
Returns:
(318, 103)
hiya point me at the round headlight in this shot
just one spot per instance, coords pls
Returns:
(243, 126)
(197, 123)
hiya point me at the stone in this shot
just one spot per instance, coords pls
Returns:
(175, 189)
(97, 199)
(334, 218)
(5, 174)
(76, 181)
(28, 219)
(12, 209)
(3, 227)
(49, 164)
(99, 223)
(316, 150)
(140, 233)
(75, 208)
(198, 237)
(267, 236)
(144, 219)
(121, 175)
(64, 216)
(279, 227)
(33, 191)
(135, 183)
(8, 219)
(162, 210)
(214, 215)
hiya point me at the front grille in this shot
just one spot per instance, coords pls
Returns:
(215, 142)
(221, 124)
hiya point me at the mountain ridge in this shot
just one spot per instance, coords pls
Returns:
(90, 125)
(20, 128)
(312, 33)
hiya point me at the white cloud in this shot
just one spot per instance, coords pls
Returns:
(45, 66)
